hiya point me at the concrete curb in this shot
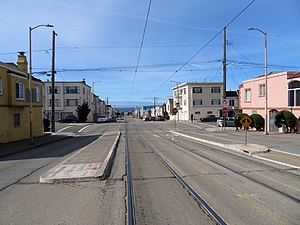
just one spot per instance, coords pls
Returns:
(101, 173)
(250, 149)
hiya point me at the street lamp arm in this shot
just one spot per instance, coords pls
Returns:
(253, 28)
(41, 25)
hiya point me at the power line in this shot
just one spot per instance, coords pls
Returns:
(140, 51)
(190, 59)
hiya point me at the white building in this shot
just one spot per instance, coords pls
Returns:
(199, 99)
(68, 95)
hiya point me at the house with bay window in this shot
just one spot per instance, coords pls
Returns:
(283, 94)
(202, 99)
(15, 102)
(68, 95)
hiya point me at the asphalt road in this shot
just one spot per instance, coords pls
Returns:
(240, 188)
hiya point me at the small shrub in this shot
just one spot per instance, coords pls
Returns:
(258, 122)
(286, 118)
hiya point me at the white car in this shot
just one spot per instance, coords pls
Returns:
(229, 122)
(102, 119)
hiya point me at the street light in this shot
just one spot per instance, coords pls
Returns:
(94, 99)
(30, 80)
(266, 76)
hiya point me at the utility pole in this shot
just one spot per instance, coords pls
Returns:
(224, 65)
(53, 83)
(154, 107)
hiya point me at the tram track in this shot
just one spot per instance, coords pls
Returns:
(130, 203)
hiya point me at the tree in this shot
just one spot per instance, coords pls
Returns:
(258, 122)
(237, 119)
(83, 112)
(287, 119)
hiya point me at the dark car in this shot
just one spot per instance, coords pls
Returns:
(159, 118)
(68, 119)
(209, 118)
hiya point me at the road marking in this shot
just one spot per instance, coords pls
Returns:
(273, 161)
(285, 152)
(63, 129)
(83, 128)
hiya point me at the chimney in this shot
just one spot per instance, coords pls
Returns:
(22, 63)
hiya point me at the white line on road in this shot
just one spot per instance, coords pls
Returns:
(83, 128)
(63, 129)
(273, 161)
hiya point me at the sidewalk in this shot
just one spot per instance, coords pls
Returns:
(24, 145)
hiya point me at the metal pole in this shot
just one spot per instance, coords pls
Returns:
(266, 82)
(53, 84)
(30, 95)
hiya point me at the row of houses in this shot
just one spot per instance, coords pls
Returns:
(22, 118)
(200, 99)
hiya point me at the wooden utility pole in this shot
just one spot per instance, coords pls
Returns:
(53, 84)
(224, 65)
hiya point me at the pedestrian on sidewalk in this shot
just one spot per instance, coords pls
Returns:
(192, 117)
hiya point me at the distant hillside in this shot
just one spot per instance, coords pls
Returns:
(125, 109)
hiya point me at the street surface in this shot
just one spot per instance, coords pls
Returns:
(241, 188)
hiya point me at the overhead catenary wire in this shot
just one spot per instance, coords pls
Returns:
(140, 51)
(201, 49)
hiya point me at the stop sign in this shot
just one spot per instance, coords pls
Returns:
(174, 111)
(225, 110)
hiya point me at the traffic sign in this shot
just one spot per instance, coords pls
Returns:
(174, 111)
(246, 121)
(225, 110)
(225, 102)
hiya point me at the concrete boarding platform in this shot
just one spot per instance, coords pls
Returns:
(89, 163)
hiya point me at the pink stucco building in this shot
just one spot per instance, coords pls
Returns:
(283, 94)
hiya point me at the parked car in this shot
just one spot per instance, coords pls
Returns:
(147, 118)
(159, 118)
(209, 118)
(68, 119)
(229, 122)
(102, 119)
(120, 119)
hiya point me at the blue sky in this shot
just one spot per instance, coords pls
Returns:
(100, 41)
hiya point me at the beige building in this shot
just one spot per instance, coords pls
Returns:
(15, 102)
(199, 99)
(68, 95)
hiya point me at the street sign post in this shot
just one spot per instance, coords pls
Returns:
(246, 121)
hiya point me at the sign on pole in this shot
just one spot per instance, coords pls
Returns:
(246, 121)
(174, 111)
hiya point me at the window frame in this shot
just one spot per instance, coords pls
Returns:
(17, 119)
(197, 101)
(197, 88)
(1, 87)
(215, 90)
(20, 91)
(261, 90)
(248, 90)
(215, 100)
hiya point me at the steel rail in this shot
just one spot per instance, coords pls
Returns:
(130, 202)
(295, 199)
(202, 203)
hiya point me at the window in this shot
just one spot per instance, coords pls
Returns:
(36, 94)
(83, 91)
(184, 102)
(197, 102)
(181, 91)
(0, 86)
(197, 112)
(209, 112)
(72, 90)
(197, 90)
(294, 93)
(231, 102)
(17, 119)
(19, 91)
(215, 102)
(56, 90)
(215, 90)
(184, 91)
(71, 102)
(57, 103)
(248, 95)
(262, 90)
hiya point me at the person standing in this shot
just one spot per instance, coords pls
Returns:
(192, 117)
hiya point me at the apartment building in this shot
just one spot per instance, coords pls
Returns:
(283, 94)
(198, 98)
(15, 102)
(68, 95)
